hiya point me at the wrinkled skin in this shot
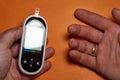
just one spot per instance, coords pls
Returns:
(9, 49)
(105, 34)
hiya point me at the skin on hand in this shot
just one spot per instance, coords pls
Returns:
(105, 34)
(9, 49)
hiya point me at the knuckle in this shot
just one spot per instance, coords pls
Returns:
(98, 37)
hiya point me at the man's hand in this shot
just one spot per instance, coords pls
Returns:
(104, 34)
(9, 49)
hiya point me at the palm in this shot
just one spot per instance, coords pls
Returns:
(108, 53)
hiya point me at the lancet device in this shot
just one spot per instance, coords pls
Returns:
(33, 44)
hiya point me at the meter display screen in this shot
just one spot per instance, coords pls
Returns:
(34, 36)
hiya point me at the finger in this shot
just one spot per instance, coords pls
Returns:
(10, 36)
(84, 59)
(116, 14)
(94, 19)
(88, 33)
(45, 68)
(15, 49)
(82, 46)
(49, 52)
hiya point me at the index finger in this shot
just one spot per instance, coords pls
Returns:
(94, 19)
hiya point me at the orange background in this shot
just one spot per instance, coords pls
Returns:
(59, 14)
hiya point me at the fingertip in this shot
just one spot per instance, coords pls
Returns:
(49, 53)
(51, 50)
(47, 64)
(116, 14)
(78, 12)
(72, 29)
(16, 32)
(72, 43)
(113, 11)
(69, 28)
(73, 54)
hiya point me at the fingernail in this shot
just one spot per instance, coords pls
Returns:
(73, 43)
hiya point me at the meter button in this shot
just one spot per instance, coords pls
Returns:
(31, 65)
(37, 63)
(31, 59)
(25, 62)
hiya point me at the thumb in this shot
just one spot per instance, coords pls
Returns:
(8, 37)
(116, 14)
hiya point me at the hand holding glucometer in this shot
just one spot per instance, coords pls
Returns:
(33, 43)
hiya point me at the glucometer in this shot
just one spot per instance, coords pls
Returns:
(33, 43)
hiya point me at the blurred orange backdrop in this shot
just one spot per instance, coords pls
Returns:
(59, 15)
